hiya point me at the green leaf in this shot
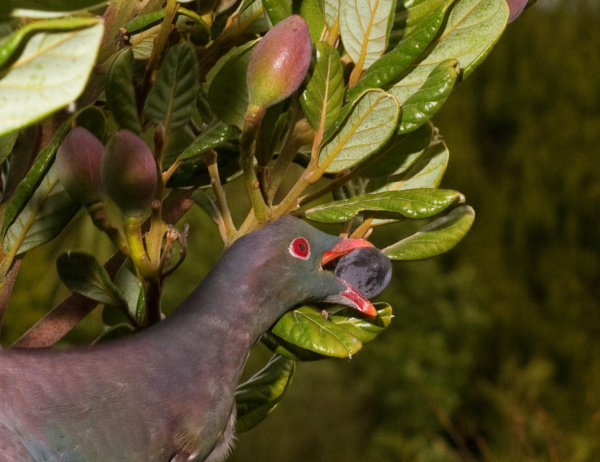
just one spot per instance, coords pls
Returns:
(423, 104)
(288, 350)
(277, 10)
(120, 93)
(411, 203)
(214, 136)
(426, 172)
(132, 291)
(472, 29)
(7, 143)
(144, 20)
(43, 217)
(399, 154)
(172, 99)
(364, 329)
(308, 329)
(10, 45)
(370, 124)
(142, 50)
(409, 16)
(325, 90)
(364, 28)
(28, 186)
(256, 398)
(394, 62)
(228, 91)
(253, 18)
(85, 276)
(312, 12)
(50, 73)
(436, 238)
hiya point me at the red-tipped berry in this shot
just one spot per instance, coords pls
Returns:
(279, 62)
(516, 7)
(129, 172)
(78, 166)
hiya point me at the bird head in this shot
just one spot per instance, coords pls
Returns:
(286, 260)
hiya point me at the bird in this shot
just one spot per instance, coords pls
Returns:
(167, 393)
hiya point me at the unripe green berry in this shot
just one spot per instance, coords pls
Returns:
(129, 172)
(516, 7)
(279, 62)
(78, 166)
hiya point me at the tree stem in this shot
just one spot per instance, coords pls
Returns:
(252, 122)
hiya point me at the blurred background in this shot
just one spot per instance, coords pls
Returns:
(494, 351)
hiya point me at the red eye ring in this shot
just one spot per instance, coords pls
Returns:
(300, 248)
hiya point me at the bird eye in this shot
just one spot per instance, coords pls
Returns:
(299, 248)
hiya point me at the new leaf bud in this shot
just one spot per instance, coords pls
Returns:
(78, 161)
(129, 172)
(279, 62)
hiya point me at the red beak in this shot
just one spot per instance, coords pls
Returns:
(342, 248)
(352, 295)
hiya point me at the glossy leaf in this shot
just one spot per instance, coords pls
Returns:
(288, 350)
(325, 90)
(172, 99)
(84, 275)
(399, 154)
(364, 28)
(365, 329)
(423, 104)
(436, 238)
(28, 186)
(214, 136)
(411, 203)
(51, 72)
(472, 29)
(312, 12)
(277, 10)
(256, 398)
(426, 172)
(44, 216)
(370, 124)
(394, 62)
(308, 329)
(228, 91)
(120, 93)
(409, 15)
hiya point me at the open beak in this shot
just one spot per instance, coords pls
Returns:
(350, 296)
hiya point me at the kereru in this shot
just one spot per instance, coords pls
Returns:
(167, 394)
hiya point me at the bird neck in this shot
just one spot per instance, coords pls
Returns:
(223, 318)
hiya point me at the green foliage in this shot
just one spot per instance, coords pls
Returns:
(355, 146)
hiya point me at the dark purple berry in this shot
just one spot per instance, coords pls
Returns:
(366, 269)
(129, 172)
(78, 166)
